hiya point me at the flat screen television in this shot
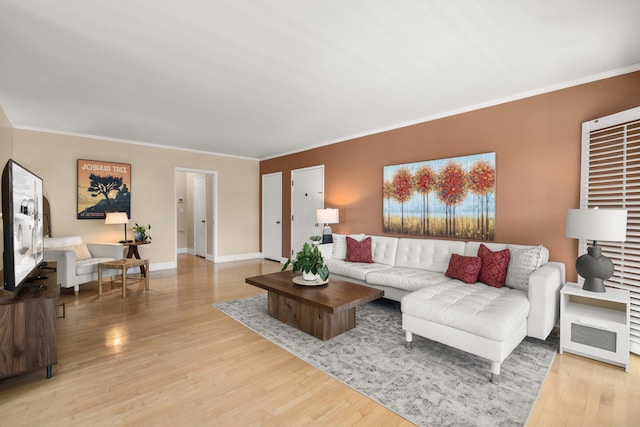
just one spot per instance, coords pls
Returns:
(21, 223)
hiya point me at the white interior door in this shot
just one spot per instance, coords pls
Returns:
(272, 216)
(200, 215)
(307, 196)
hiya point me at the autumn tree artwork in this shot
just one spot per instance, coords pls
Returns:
(103, 187)
(442, 198)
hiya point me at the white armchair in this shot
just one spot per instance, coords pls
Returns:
(78, 261)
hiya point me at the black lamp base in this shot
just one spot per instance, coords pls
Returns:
(327, 234)
(594, 284)
(595, 268)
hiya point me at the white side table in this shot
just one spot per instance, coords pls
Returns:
(594, 324)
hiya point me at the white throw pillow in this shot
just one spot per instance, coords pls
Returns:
(340, 244)
(359, 237)
(522, 263)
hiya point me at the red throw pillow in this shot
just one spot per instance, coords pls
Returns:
(494, 266)
(358, 251)
(465, 268)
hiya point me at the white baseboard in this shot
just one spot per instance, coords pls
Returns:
(163, 266)
(155, 267)
(226, 258)
(238, 257)
(192, 251)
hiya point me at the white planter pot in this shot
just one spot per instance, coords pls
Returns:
(309, 276)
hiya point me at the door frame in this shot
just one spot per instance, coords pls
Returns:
(214, 198)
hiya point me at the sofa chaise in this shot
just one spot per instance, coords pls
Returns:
(486, 320)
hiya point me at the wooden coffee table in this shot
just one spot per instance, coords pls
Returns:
(322, 311)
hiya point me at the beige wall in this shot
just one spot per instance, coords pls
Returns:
(153, 170)
(6, 151)
(537, 146)
(6, 139)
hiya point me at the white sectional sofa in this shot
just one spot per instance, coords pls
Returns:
(483, 320)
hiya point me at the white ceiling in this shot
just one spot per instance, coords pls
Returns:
(259, 79)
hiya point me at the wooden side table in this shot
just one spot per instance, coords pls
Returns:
(123, 264)
(133, 252)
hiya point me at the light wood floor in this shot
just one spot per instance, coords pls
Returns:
(167, 358)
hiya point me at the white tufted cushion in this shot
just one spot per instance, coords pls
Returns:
(427, 254)
(356, 270)
(383, 249)
(408, 279)
(492, 313)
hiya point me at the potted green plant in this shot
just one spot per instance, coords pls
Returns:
(140, 233)
(309, 260)
(315, 239)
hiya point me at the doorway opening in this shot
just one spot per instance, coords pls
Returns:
(196, 232)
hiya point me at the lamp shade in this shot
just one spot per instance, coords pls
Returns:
(597, 224)
(116, 218)
(328, 216)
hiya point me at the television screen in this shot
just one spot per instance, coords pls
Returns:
(22, 224)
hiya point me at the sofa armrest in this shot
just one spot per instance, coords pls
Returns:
(106, 250)
(544, 299)
(66, 268)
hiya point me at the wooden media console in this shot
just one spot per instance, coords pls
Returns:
(28, 339)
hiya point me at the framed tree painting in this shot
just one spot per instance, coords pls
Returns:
(453, 197)
(103, 187)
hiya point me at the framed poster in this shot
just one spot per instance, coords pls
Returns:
(453, 197)
(103, 187)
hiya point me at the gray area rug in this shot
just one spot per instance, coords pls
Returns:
(429, 385)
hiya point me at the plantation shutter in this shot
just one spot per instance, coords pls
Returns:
(610, 178)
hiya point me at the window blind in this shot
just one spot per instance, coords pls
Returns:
(610, 178)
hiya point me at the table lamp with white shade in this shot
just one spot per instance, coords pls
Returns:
(118, 218)
(596, 224)
(326, 217)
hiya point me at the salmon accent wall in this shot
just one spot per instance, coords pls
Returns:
(537, 144)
